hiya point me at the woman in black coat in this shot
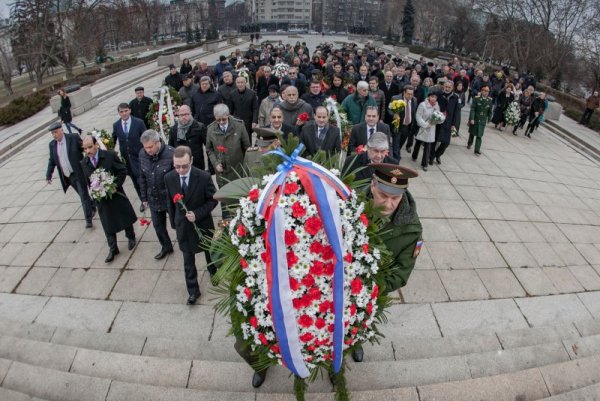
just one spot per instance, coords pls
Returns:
(460, 91)
(337, 89)
(503, 100)
(64, 113)
(185, 68)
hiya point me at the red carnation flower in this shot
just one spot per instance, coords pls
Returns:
(305, 321)
(354, 330)
(266, 257)
(313, 225)
(298, 210)
(292, 259)
(308, 280)
(328, 269)
(291, 188)
(306, 337)
(248, 292)
(294, 284)
(253, 321)
(352, 309)
(348, 257)
(297, 303)
(164, 118)
(364, 219)
(327, 252)
(320, 323)
(316, 247)
(370, 308)
(375, 292)
(253, 194)
(177, 198)
(243, 263)
(275, 348)
(290, 238)
(348, 341)
(365, 248)
(314, 293)
(361, 149)
(221, 149)
(263, 339)
(330, 328)
(356, 286)
(241, 230)
(317, 268)
(304, 117)
(311, 348)
(334, 97)
(144, 222)
(325, 306)
(306, 300)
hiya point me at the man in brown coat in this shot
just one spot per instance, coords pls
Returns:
(591, 104)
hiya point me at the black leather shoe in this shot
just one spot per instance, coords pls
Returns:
(431, 162)
(258, 378)
(163, 253)
(88, 224)
(468, 146)
(94, 210)
(358, 354)
(131, 243)
(193, 298)
(409, 150)
(424, 168)
(111, 255)
(477, 153)
(438, 160)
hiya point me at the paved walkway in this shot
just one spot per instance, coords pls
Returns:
(515, 231)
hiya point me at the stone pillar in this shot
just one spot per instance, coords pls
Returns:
(81, 101)
(554, 111)
(169, 59)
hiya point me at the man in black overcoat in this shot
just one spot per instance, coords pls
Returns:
(189, 132)
(197, 189)
(116, 214)
(69, 167)
(449, 105)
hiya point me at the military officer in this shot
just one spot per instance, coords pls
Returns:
(402, 234)
(480, 115)
(266, 140)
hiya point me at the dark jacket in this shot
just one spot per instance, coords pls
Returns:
(116, 214)
(361, 161)
(225, 92)
(299, 83)
(130, 144)
(187, 92)
(244, 105)
(195, 138)
(339, 92)
(358, 135)
(388, 93)
(152, 177)
(174, 81)
(198, 199)
(140, 109)
(448, 104)
(314, 100)
(75, 152)
(64, 113)
(331, 143)
(262, 86)
(203, 104)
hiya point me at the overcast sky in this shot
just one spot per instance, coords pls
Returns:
(4, 8)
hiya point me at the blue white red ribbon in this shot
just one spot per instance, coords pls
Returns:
(323, 189)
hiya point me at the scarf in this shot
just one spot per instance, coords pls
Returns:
(182, 129)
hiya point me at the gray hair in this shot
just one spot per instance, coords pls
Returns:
(362, 85)
(149, 135)
(221, 110)
(378, 140)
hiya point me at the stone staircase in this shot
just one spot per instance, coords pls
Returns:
(45, 362)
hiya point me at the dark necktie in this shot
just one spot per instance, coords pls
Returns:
(125, 129)
(94, 162)
(184, 185)
(371, 131)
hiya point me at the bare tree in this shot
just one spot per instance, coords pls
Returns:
(7, 62)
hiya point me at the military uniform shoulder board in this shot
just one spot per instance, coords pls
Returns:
(417, 250)
(239, 120)
(254, 149)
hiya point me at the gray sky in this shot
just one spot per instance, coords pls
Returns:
(4, 8)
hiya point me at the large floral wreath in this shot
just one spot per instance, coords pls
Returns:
(163, 110)
(303, 284)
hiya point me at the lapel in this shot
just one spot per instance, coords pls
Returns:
(192, 183)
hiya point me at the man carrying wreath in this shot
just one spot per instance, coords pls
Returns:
(115, 211)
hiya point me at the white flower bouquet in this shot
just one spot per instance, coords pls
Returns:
(103, 185)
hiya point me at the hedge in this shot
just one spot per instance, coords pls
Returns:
(23, 107)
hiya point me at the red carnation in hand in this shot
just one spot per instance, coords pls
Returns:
(221, 149)
(313, 225)
(177, 198)
(364, 219)
(356, 286)
(243, 263)
(253, 321)
(292, 259)
(144, 222)
(291, 188)
(304, 117)
(253, 194)
(298, 210)
(290, 238)
(305, 321)
(334, 97)
(241, 230)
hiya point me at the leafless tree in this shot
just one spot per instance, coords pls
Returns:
(7, 62)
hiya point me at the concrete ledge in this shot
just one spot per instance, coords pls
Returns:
(211, 46)
(168, 59)
(554, 111)
(81, 101)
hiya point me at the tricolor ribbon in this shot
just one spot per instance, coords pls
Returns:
(323, 189)
(164, 95)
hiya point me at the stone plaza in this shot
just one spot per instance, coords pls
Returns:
(504, 303)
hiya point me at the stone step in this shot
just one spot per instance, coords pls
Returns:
(588, 393)
(11, 395)
(215, 375)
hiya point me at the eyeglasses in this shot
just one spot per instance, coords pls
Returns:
(181, 166)
(185, 114)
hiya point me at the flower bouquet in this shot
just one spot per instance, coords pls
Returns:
(105, 140)
(437, 117)
(300, 273)
(512, 114)
(304, 117)
(397, 106)
(102, 185)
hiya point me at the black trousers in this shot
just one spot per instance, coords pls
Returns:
(86, 202)
(439, 151)
(159, 220)
(112, 238)
(134, 177)
(587, 115)
(426, 150)
(191, 273)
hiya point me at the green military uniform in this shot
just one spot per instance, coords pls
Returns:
(481, 114)
(235, 140)
(254, 161)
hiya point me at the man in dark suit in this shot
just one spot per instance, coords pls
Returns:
(407, 121)
(116, 213)
(294, 78)
(198, 189)
(390, 89)
(66, 153)
(361, 133)
(140, 106)
(263, 83)
(128, 130)
(189, 132)
(318, 135)
(377, 151)
(449, 105)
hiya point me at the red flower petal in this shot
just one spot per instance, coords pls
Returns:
(253, 321)
(298, 210)
(254, 194)
(356, 285)
(313, 225)
(290, 238)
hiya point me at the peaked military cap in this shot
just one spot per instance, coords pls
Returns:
(54, 125)
(392, 178)
(265, 136)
